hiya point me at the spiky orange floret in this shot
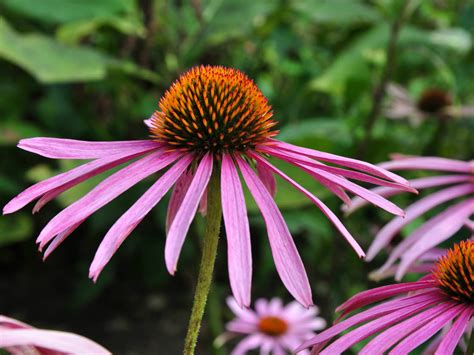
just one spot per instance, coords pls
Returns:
(213, 108)
(454, 272)
(272, 326)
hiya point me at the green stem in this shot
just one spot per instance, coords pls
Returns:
(470, 345)
(209, 252)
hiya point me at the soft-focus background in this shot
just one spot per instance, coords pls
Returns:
(94, 70)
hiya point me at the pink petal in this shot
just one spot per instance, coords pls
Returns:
(451, 338)
(105, 192)
(437, 232)
(287, 260)
(7, 322)
(186, 212)
(332, 217)
(239, 251)
(342, 182)
(379, 293)
(366, 330)
(427, 163)
(343, 161)
(177, 196)
(55, 185)
(422, 299)
(267, 178)
(427, 331)
(394, 334)
(53, 340)
(422, 183)
(243, 313)
(57, 148)
(247, 344)
(134, 215)
(60, 238)
(415, 210)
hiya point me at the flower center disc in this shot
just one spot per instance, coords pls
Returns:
(433, 101)
(454, 272)
(212, 108)
(272, 326)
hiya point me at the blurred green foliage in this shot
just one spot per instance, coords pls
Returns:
(94, 70)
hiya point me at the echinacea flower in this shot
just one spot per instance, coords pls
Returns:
(274, 328)
(410, 313)
(19, 338)
(457, 190)
(433, 102)
(210, 119)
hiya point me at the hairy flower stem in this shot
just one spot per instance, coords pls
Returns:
(209, 253)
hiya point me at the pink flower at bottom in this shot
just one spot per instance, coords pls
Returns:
(411, 313)
(272, 327)
(19, 339)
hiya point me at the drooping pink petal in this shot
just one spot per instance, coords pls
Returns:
(134, 215)
(287, 260)
(55, 185)
(350, 174)
(186, 212)
(59, 239)
(368, 329)
(247, 344)
(415, 210)
(177, 196)
(57, 148)
(385, 340)
(332, 217)
(7, 322)
(239, 251)
(437, 232)
(421, 183)
(451, 338)
(342, 182)
(105, 192)
(242, 312)
(380, 293)
(423, 299)
(426, 163)
(267, 178)
(427, 331)
(343, 161)
(54, 340)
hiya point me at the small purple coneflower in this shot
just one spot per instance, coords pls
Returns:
(19, 339)
(272, 327)
(432, 102)
(212, 119)
(459, 177)
(418, 312)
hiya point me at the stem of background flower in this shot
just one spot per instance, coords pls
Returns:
(209, 253)
(470, 345)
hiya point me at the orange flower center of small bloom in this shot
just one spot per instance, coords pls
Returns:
(454, 272)
(433, 101)
(212, 108)
(272, 326)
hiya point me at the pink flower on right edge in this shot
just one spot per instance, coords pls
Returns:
(19, 338)
(457, 182)
(439, 306)
(274, 328)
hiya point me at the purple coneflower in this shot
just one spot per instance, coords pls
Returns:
(213, 121)
(19, 338)
(457, 185)
(273, 327)
(433, 102)
(417, 313)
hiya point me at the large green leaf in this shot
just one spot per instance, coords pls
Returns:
(61, 11)
(50, 61)
(337, 12)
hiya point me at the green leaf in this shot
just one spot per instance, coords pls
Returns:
(50, 61)
(14, 229)
(455, 39)
(337, 12)
(61, 11)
